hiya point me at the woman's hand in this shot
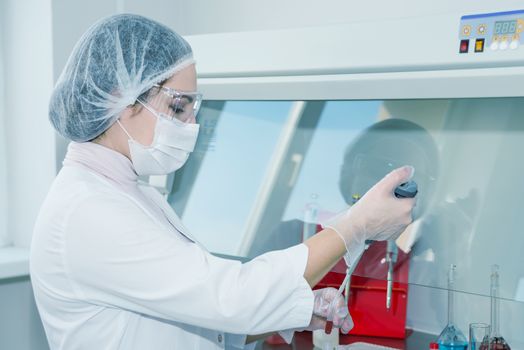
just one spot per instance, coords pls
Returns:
(378, 215)
(324, 298)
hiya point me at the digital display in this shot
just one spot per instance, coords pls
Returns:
(505, 27)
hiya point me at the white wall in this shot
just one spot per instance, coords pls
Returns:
(29, 153)
(28, 134)
(20, 325)
(72, 18)
(4, 239)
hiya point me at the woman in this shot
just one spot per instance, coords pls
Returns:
(111, 264)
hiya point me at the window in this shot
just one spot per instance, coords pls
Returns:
(227, 170)
(263, 168)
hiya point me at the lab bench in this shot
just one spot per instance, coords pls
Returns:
(303, 340)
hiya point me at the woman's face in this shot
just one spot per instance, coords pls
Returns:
(141, 124)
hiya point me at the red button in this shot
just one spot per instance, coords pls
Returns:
(464, 46)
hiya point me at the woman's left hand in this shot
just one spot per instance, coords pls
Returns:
(341, 317)
(323, 298)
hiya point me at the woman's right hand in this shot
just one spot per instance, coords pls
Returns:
(379, 215)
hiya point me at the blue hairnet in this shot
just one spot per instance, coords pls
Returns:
(115, 61)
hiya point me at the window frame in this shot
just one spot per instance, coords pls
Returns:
(4, 237)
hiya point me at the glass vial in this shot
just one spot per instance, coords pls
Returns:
(451, 337)
(496, 340)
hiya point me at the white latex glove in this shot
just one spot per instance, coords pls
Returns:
(379, 215)
(341, 317)
(323, 299)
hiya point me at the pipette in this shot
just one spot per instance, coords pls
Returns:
(391, 259)
(349, 272)
(332, 306)
(406, 190)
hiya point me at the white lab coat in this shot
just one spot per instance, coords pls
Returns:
(107, 275)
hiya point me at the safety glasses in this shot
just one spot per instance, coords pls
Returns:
(175, 104)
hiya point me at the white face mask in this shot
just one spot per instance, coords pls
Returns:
(173, 142)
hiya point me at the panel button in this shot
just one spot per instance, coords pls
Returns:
(466, 30)
(479, 45)
(464, 46)
(481, 30)
(494, 43)
(520, 26)
(515, 41)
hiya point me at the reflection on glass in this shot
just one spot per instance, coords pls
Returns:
(379, 149)
(384, 146)
(468, 160)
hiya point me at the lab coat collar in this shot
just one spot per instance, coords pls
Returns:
(118, 170)
(104, 161)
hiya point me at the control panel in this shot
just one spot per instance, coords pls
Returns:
(498, 31)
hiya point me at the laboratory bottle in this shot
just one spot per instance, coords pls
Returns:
(451, 337)
(310, 218)
(496, 340)
(323, 341)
